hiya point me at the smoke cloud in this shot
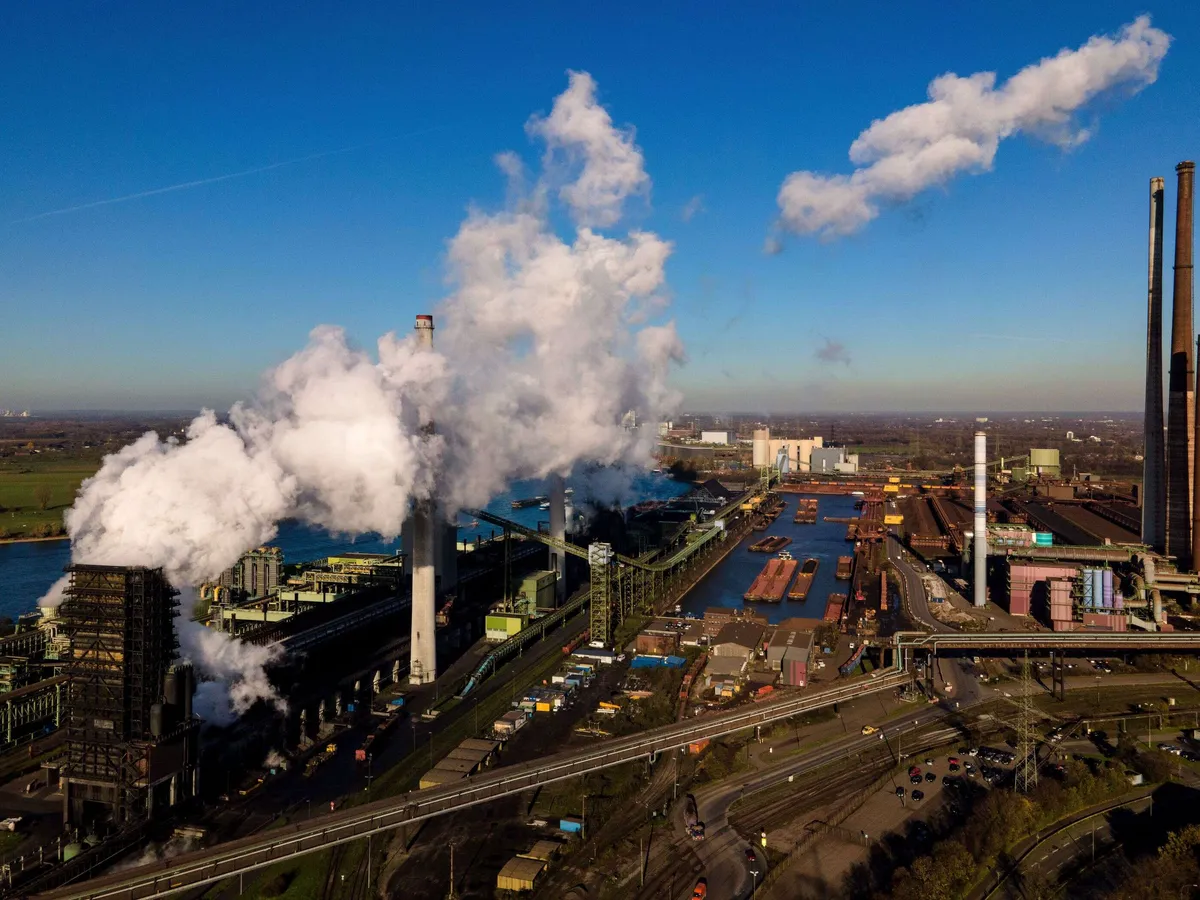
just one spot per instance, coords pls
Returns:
(542, 353)
(833, 352)
(960, 127)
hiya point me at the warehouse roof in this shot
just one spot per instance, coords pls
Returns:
(743, 634)
(544, 850)
(521, 869)
(725, 666)
(787, 636)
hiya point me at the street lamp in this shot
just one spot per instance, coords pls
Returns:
(754, 883)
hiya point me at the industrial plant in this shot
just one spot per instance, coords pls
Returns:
(592, 640)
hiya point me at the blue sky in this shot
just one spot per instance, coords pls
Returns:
(1020, 288)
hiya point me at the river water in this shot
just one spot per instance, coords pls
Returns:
(826, 541)
(28, 569)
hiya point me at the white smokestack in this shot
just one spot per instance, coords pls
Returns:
(980, 518)
(422, 667)
(558, 531)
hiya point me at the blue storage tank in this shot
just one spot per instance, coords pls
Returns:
(1087, 586)
(1108, 588)
(1097, 587)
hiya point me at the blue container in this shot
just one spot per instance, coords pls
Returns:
(398, 701)
(570, 825)
(349, 707)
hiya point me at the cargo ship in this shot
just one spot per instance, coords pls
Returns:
(804, 579)
(806, 511)
(772, 581)
(771, 544)
(845, 568)
(834, 608)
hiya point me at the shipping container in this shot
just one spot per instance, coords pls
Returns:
(570, 824)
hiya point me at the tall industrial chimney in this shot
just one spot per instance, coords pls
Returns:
(1180, 390)
(422, 667)
(558, 531)
(1154, 483)
(980, 554)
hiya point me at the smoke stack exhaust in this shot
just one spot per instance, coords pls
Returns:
(1180, 391)
(1154, 483)
(558, 531)
(422, 668)
(980, 519)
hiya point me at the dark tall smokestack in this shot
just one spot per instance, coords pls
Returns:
(1154, 484)
(1180, 400)
(423, 646)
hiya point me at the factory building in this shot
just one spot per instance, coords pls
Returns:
(254, 576)
(833, 461)
(765, 450)
(717, 437)
(1044, 462)
(132, 741)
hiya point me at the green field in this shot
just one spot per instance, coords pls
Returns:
(35, 491)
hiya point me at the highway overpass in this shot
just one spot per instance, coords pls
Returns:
(247, 854)
(1046, 641)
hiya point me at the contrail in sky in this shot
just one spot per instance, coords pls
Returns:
(188, 185)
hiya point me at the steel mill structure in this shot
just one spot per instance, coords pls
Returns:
(131, 736)
(1154, 483)
(1181, 387)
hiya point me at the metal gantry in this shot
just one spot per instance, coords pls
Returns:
(600, 560)
(1027, 769)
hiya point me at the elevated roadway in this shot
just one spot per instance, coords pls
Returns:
(1113, 641)
(248, 854)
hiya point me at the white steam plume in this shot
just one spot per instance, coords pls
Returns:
(960, 128)
(610, 163)
(334, 439)
(542, 351)
(544, 336)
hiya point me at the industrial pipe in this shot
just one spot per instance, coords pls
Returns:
(558, 531)
(1154, 486)
(980, 519)
(423, 650)
(1181, 390)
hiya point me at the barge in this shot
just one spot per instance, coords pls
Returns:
(845, 568)
(804, 580)
(772, 544)
(772, 581)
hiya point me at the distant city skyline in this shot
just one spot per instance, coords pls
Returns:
(188, 196)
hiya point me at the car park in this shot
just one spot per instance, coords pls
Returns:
(930, 777)
(918, 796)
(916, 779)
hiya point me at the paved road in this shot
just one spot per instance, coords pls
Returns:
(953, 678)
(723, 851)
(1082, 841)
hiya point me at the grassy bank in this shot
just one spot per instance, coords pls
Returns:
(35, 491)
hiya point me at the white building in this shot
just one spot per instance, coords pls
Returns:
(799, 450)
(717, 437)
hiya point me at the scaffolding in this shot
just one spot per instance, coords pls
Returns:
(600, 561)
(121, 625)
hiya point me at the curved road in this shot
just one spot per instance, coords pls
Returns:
(723, 851)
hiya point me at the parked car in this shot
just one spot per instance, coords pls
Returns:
(918, 796)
